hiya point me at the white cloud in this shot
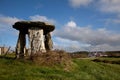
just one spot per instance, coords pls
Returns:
(116, 21)
(107, 6)
(105, 47)
(8, 35)
(6, 23)
(89, 36)
(111, 22)
(112, 6)
(8, 20)
(79, 3)
(68, 45)
(41, 18)
(71, 24)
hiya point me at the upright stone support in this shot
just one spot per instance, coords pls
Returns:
(36, 40)
(20, 45)
(48, 42)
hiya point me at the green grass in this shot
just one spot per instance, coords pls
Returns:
(83, 69)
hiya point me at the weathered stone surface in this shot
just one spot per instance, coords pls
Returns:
(20, 45)
(36, 40)
(48, 42)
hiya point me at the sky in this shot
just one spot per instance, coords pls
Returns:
(80, 25)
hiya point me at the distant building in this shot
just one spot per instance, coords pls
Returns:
(3, 50)
(97, 54)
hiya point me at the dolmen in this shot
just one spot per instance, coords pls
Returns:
(39, 37)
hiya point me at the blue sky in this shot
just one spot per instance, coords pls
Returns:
(80, 24)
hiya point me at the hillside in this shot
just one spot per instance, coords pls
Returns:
(82, 69)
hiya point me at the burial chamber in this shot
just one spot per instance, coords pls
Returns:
(39, 37)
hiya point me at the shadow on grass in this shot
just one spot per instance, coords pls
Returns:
(111, 57)
(107, 61)
(7, 57)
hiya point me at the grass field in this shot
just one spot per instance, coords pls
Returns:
(82, 69)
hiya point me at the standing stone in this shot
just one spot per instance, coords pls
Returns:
(48, 42)
(20, 45)
(36, 40)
